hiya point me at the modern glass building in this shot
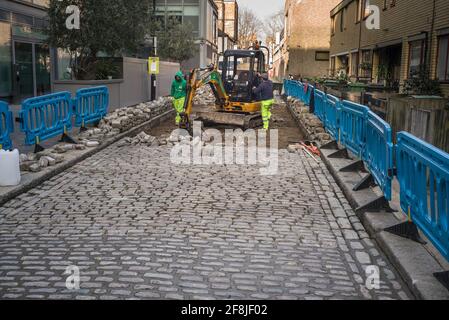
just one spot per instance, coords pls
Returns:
(25, 60)
(202, 15)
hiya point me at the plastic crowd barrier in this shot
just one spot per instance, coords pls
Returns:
(91, 105)
(378, 155)
(353, 126)
(6, 126)
(331, 115)
(320, 105)
(46, 116)
(423, 174)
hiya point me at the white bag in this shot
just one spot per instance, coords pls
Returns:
(9, 168)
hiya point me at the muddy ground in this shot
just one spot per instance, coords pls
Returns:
(281, 120)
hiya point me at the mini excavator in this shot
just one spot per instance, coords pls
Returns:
(235, 103)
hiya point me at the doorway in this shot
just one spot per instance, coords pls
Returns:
(31, 70)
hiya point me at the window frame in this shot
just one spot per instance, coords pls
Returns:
(422, 54)
(322, 52)
(446, 67)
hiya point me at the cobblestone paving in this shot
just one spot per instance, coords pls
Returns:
(139, 227)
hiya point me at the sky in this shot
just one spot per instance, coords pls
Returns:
(263, 8)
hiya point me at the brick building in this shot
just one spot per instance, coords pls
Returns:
(305, 46)
(412, 34)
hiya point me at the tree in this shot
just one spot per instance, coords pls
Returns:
(274, 25)
(107, 26)
(177, 42)
(249, 28)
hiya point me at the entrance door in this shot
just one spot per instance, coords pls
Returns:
(31, 70)
(24, 70)
(42, 63)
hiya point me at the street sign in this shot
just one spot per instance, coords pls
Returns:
(153, 65)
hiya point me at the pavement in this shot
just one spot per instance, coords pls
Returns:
(139, 227)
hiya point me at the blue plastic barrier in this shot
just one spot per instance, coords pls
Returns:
(297, 90)
(320, 104)
(378, 155)
(332, 115)
(6, 126)
(353, 126)
(91, 105)
(308, 90)
(46, 116)
(423, 174)
(288, 87)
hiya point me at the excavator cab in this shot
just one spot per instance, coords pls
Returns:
(240, 73)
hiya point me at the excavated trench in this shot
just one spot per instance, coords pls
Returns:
(282, 121)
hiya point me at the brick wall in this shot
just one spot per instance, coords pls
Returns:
(307, 31)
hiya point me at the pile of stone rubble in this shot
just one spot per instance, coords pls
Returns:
(118, 121)
(310, 122)
(204, 96)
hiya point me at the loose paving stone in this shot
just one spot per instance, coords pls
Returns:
(139, 227)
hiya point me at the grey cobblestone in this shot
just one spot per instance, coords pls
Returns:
(140, 227)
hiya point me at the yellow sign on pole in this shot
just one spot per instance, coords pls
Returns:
(153, 65)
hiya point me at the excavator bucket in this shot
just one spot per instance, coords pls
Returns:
(244, 121)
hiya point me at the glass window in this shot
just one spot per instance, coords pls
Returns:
(443, 59)
(366, 66)
(42, 68)
(5, 15)
(22, 19)
(322, 55)
(342, 21)
(5, 60)
(354, 64)
(416, 56)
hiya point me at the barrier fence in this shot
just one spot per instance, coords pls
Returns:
(422, 169)
(6, 126)
(48, 116)
(352, 123)
(423, 174)
(320, 104)
(331, 115)
(378, 155)
(91, 105)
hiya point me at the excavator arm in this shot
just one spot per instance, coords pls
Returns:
(198, 78)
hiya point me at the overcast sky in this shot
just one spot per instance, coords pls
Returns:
(262, 8)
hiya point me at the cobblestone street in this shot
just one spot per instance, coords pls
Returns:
(139, 227)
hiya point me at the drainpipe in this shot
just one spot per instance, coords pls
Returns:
(429, 58)
(360, 42)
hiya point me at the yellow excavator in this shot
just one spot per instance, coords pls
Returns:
(235, 103)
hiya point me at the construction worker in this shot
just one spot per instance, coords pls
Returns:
(179, 93)
(264, 91)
